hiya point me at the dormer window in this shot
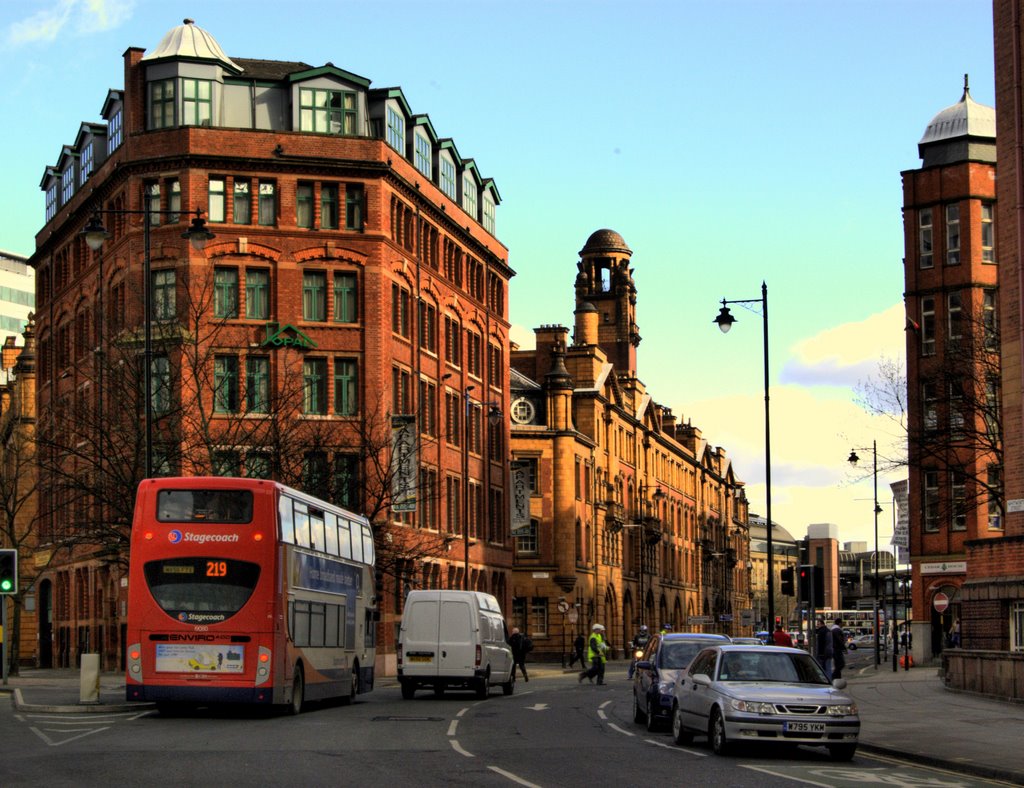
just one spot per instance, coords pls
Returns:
(196, 107)
(67, 184)
(85, 165)
(327, 111)
(423, 158)
(114, 132)
(488, 216)
(469, 194)
(448, 178)
(51, 201)
(396, 130)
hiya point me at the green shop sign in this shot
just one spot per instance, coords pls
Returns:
(286, 336)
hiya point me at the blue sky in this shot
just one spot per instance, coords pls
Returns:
(728, 141)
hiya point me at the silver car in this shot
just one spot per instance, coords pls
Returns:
(762, 694)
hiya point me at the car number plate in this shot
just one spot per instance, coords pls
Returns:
(420, 658)
(804, 727)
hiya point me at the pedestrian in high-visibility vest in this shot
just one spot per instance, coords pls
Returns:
(597, 650)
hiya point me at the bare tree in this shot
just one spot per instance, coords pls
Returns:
(957, 432)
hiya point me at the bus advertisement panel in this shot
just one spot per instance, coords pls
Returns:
(246, 591)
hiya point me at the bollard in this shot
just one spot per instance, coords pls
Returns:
(89, 679)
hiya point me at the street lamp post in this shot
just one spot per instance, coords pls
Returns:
(853, 459)
(725, 320)
(95, 234)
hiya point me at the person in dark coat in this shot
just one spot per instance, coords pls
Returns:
(521, 646)
(838, 649)
(823, 647)
(578, 645)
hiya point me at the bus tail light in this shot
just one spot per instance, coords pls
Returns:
(479, 655)
(135, 661)
(263, 665)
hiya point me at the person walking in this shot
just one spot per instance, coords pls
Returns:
(578, 645)
(823, 647)
(521, 646)
(838, 649)
(597, 649)
(780, 637)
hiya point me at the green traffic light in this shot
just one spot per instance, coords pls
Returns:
(6, 585)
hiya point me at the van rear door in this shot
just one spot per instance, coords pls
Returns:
(420, 637)
(457, 638)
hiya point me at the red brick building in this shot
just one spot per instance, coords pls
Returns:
(355, 274)
(951, 279)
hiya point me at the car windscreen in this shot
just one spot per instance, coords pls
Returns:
(761, 666)
(677, 655)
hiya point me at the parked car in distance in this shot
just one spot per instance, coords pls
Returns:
(763, 694)
(656, 672)
(765, 637)
(861, 641)
(749, 641)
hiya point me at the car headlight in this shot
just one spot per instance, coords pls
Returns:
(666, 687)
(753, 707)
(843, 710)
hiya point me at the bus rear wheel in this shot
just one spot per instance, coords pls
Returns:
(298, 689)
(347, 700)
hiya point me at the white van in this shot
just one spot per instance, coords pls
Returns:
(453, 639)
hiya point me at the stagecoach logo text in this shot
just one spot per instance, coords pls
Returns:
(176, 536)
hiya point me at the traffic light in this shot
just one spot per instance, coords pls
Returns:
(787, 581)
(812, 578)
(8, 571)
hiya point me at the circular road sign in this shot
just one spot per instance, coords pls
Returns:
(563, 606)
(940, 602)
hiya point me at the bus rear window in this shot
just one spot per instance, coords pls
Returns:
(204, 506)
(201, 590)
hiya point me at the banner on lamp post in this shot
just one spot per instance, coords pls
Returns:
(404, 463)
(901, 532)
(520, 498)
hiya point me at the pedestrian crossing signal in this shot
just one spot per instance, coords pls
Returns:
(8, 571)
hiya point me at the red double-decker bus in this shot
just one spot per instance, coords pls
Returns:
(246, 591)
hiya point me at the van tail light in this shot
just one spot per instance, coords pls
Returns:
(479, 655)
(399, 655)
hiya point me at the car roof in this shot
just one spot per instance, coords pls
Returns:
(708, 636)
(730, 647)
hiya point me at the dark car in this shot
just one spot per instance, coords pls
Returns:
(665, 657)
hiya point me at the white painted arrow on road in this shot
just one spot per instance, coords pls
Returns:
(538, 707)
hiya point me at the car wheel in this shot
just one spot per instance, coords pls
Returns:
(408, 690)
(638, 713)
(842, 752)
(852, 647)
(298, 689)
(716, 733)
(652, 721)
(680, 735)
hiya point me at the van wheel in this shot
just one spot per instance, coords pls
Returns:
(482, 688)
(408, 690)
(439, 690)
(298, 689)
(509, 686)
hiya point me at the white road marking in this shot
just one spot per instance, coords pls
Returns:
(458, 748)
(606, 703)
(620, 730)
(53, 743)
(462, 711)
(784, 775)
(537, 707)
(513, 777)
(601, 714)
(677, 749)
(452, 727)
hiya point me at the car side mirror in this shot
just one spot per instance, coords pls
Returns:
(702, 679)
(644, 664)
(839, 683)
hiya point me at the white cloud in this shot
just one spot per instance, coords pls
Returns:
(79, 17)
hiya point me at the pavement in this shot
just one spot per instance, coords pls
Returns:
(906, 714)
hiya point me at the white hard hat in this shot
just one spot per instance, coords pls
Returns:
(597, 628)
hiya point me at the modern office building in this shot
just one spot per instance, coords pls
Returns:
(17, 295)
(951, 269)
(353, 288)
(633, 518)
